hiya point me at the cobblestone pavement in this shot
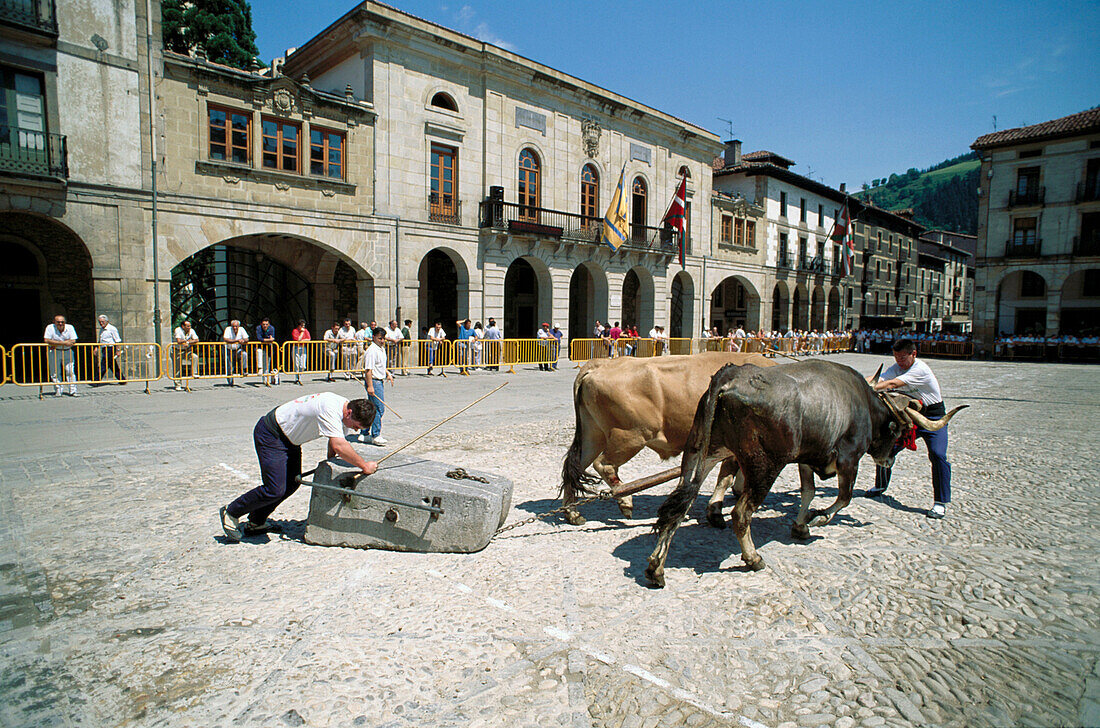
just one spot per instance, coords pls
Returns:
(121, 605)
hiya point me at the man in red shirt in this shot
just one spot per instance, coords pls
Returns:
(613, 334)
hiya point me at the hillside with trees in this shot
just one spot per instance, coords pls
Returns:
(944, 196)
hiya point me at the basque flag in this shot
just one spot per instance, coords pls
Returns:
(675, 217)
(615, 221)
(842, 235)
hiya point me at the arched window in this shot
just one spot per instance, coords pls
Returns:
(590, 193)
(638, 210)
(444, 101)
(529, 169)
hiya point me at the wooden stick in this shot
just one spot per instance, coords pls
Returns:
(777, 351)
(625, 489)
(437, 426)
(385, 406)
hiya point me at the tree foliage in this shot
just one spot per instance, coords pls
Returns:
(221, 28)
(944, 196)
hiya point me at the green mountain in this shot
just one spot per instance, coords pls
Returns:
(944, 196)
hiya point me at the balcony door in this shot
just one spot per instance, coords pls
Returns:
(639, 199)
(529, 185)
(22, 117)
(442, 204)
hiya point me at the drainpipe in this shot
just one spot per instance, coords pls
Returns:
(153, 169)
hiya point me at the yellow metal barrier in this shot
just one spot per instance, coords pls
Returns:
(322, 357)
(218, 360)
(3, 366)
(39, 365)
(543, 352)
(426, 354)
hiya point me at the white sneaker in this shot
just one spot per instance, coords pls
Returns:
(74, 393)
(58, 393)
(939, 510)
(179, 387)
(379, 440)
(366, 439)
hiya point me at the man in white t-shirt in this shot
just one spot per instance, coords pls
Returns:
(346, 337)
(375, 377)
(332, 348)
(110, 351)
(436, 337)
(909, 375)
(394, 337)
(185, 353)
(236, 358)
(278, 437)
(60, 338)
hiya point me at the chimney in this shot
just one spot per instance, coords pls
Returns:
(732, 155)
(843, 186)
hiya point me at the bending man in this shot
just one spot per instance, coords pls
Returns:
(279, 436)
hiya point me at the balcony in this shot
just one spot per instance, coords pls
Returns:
(35, 15)
(34, 153)
(785, 260)
(540, 221)
(1032, 249)
(444, 208)
(1029, 197)
(1087, 245)
(817, 265)
(1089, 191)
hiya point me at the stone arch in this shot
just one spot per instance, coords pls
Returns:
(588, 294)
(681, 315)
(443, 289)
(439, 97)
(528, 297)
(735, 301)
(833, 317)
(58, 282)
(638, 299)
(1079, 304)
(781, 307)
(800, 307)
(294, 276)
(817, 308)
(1021, 306)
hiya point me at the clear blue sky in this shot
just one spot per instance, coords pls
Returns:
(849, 90)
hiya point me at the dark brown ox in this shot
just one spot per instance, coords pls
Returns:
(822, 415)
(624, 405)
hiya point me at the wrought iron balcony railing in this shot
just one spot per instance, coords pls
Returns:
(785, 260)
(518, 218)
(1030, 196)
(444, 208)
(1087, 244)
(1029, 249)
(1088, 191)
(33, 153)
(38, 15)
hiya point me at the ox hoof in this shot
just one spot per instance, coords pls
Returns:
(655, 577)
(627, 512)
(819, 519)
(802, 533)
(575, 519)
(757, 565)
(714, 516)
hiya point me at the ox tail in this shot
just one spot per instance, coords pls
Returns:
(693, 465)
(573, 478)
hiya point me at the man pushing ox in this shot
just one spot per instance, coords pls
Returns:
(279, 436)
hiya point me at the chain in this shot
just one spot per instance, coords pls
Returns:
(461, 474)
(599, 496)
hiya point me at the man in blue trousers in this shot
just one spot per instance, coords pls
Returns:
(279, 436)
(913, 377)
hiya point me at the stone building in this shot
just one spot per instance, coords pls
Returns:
(946, 258)
(1038, 256)
(75, 166)
(886, 245)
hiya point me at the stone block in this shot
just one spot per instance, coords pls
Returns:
(472, 511)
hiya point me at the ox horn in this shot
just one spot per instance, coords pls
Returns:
(874, 380)
(932, 425)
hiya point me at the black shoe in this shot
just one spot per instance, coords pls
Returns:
(874, 492)
(248, 528)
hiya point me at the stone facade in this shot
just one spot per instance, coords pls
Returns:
(1039, 215)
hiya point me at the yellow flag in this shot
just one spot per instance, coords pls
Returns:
(615, 224)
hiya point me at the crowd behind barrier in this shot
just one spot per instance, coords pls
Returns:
(38, 365)
(585, 349)
(880, 341)
(1035, 347)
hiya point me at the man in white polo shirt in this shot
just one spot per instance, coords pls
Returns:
(235, 338)
(375, 377)
(279, 436)
(109, 351)
(60, 338)
(185, 355)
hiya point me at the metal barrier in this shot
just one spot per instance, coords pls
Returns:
(3, 366)
(218, 360)
(951, 349)
(526, 351)
(39, 365)
(426, 354)
(322, 357)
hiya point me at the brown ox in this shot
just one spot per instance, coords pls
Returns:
(626, 404)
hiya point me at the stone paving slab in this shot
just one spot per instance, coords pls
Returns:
(121, 604)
